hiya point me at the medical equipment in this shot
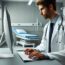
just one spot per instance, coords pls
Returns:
(25, 38)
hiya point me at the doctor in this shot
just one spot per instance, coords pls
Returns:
(53, 39)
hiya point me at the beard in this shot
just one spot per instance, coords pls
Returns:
(46, 16)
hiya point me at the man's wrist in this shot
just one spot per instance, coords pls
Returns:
(38, 50)
(46, 57)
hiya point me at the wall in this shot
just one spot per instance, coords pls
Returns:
(63, 2)
(21, 12)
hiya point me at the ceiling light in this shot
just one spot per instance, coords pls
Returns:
(30, 2)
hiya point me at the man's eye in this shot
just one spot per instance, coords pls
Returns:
(42, 8)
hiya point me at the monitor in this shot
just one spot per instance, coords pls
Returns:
(8, 34)
(8, 30)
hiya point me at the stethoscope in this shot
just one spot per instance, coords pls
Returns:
(60, 26)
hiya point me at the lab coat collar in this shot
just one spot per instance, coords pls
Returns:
(54, 19)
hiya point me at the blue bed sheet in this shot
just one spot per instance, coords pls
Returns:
(29, 36)
(26, 36)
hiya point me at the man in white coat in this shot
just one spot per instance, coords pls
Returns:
(53, 39)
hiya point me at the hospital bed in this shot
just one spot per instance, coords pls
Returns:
(25, 37)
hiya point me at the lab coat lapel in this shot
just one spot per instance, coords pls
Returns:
(55, 31)
(47, 36)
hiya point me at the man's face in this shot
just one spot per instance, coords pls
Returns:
(44, 11)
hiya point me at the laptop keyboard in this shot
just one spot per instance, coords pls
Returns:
(24, 57)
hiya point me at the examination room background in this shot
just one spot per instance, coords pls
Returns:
(20, 12)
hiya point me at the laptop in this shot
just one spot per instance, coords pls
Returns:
(24, 57)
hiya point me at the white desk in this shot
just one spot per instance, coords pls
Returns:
(16, 60)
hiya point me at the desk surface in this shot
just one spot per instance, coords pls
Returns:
(16, 60)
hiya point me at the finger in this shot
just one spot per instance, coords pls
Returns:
(34, 58)
(26, 51)
(31, 55)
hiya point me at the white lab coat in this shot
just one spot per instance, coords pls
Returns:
(57, 42)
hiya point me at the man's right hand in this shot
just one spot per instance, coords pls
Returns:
(28, 51)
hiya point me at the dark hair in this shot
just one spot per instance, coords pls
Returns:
(47, 3)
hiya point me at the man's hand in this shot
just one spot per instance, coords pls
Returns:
(36, 55)
(28, 51)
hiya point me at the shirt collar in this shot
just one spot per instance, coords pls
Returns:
(54, 19)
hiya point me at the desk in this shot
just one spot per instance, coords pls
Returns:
(16, 60)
